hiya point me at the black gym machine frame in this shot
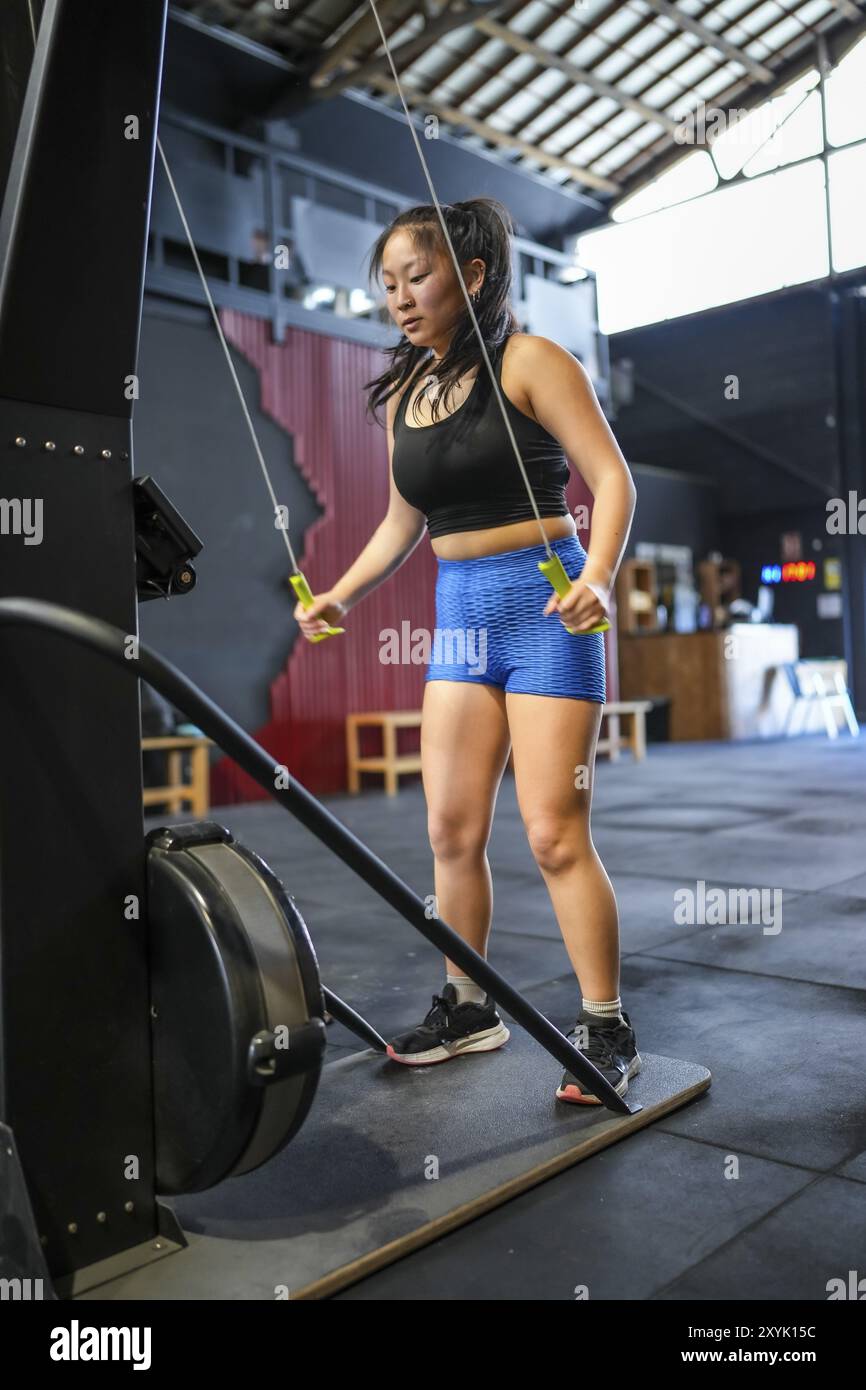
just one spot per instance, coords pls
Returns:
(92, 1111)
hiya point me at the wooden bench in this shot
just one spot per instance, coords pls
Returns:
(634, 712)
(389, 761)
(392, 764)
(197, 790)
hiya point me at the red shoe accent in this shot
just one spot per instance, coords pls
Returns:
(575, 1096)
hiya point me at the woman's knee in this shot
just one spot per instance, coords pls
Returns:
(457, 836)
(558, 843)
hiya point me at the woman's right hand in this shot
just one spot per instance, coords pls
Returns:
(325, 611)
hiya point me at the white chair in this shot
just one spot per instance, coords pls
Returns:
(807, 686)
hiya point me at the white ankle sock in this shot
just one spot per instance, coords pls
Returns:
(607, 1008)
(467, 991)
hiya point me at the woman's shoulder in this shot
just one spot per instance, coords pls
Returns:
(532, 352)
(528, 362)
(531, 362)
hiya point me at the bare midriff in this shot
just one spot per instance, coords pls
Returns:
(469, 545)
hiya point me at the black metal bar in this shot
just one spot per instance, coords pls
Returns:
(186, 286)
(849, 350)
(75, 1044)
(140, 661)
(354, 1022)
(845, 309)
(17, 46)
(83, 155)
(273, 203)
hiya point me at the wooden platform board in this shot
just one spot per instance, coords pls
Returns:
(355, 1190)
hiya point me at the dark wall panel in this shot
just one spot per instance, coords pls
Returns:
(675, 511)
(235, 629)
(780, 350)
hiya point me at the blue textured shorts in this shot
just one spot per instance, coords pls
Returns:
(491, 628)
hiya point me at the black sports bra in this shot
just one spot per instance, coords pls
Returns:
(461, 471)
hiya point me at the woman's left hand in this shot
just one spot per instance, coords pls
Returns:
(580, 609)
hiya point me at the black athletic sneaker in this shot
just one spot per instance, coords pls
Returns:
(611, 1047)
(449, 1030)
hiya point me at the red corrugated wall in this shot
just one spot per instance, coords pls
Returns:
(312, 386)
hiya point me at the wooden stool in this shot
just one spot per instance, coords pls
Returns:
(389, 721)
(197, 790)
(633, 711)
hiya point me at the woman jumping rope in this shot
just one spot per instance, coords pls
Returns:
(539, 687)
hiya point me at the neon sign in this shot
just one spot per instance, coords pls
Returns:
(794, 572)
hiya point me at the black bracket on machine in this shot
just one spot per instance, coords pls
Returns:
(165, 544)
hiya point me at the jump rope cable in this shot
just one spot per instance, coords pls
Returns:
(462, 284)
(231, 366)
(552, 568)
(296, 579)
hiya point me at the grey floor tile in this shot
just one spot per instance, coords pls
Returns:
(750, 857)
(795, 1252)
(620, 1225)
(821, 940)
(684, 817)
(855, 1168)
(646, 910)
(853, 887)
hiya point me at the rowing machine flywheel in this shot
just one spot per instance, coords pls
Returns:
(236, 1005)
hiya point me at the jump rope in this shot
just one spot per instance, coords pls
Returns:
(552, 567)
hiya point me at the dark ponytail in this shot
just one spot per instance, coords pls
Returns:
(480, 228)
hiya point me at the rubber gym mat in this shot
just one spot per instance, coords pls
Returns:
(391, 1158)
